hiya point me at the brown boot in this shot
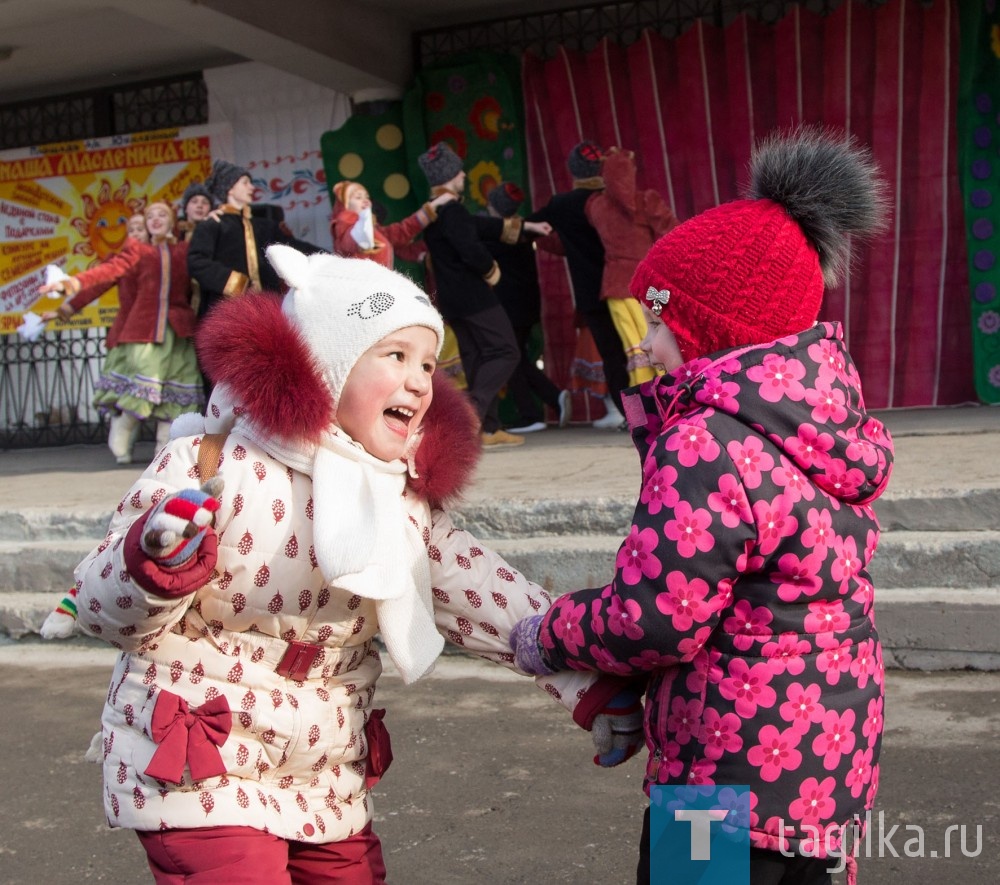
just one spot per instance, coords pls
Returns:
(501, 439)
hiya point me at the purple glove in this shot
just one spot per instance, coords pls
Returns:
(617, 731)
(529, 656)
(178, 524)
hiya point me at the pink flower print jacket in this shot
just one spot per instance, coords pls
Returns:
(742, 589)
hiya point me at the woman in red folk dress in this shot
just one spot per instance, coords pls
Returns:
(151, 373)
(356, 234)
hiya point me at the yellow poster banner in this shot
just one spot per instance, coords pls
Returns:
(68, 204)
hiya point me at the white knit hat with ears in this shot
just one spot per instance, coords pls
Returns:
(342, 306)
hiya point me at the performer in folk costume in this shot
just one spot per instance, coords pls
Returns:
(628, 221)
(226, 257)
(150, 372)
(465, 274)
(356, 233)
(581, 244)
(521, 299)
(195, 205)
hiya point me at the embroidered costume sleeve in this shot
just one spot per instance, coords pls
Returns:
(400, 233)
(95, 281)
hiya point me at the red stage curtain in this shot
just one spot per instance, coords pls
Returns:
(692, 108)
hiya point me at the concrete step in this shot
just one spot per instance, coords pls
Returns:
(41, 566)
(966, 510)
(938, 559)
(48, 524)
(936, 628)
(565, 562)
(904, 559)
(22, 613)
(938, 592)
(922, 628)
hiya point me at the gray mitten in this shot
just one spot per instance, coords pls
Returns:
(617, 731)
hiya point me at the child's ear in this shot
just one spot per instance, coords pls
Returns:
(292, 266)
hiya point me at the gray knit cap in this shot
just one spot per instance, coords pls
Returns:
(224, 175)
(506, 198)
(440, 163)
(195, 189)
(585, 160)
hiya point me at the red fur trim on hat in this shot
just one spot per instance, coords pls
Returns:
(451, 445)
(249, 344)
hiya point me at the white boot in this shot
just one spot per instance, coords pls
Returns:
(162, 433)
(122, 435)
(614, 418)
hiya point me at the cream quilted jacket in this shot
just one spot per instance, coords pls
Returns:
(297, 759)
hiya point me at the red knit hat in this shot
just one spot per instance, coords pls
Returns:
(754, 270)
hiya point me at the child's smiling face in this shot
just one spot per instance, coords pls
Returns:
(388, 392)
(197, 208)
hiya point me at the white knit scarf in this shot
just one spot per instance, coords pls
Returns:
(364, 540)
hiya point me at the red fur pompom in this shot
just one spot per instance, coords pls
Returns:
(249, 344)
(451, 444)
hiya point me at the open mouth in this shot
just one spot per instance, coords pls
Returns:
(399, 418)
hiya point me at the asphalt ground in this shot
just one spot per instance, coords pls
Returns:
(491, 782)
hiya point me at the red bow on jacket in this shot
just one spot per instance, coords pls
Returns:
(188, 736)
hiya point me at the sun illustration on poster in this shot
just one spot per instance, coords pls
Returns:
(104, 223)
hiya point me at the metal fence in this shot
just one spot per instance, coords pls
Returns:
(137, 107)
(46, 389)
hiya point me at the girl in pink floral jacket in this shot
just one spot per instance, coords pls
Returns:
(742, 590)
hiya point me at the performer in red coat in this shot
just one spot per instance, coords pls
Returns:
(151, 372)
(356, 233)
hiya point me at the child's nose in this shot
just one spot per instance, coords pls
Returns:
(419, 382)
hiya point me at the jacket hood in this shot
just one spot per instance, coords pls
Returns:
(248, 344)
(619, 173)
(819, 422)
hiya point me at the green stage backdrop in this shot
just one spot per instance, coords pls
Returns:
(475, 105)
(979, 159)
(371, 148)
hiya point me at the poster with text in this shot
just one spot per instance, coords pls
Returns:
(68, 204)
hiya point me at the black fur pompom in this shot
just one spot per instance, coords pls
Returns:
(828, 183)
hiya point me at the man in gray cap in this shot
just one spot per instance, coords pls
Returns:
(465, 274)
(584, 251)
(226, 256)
